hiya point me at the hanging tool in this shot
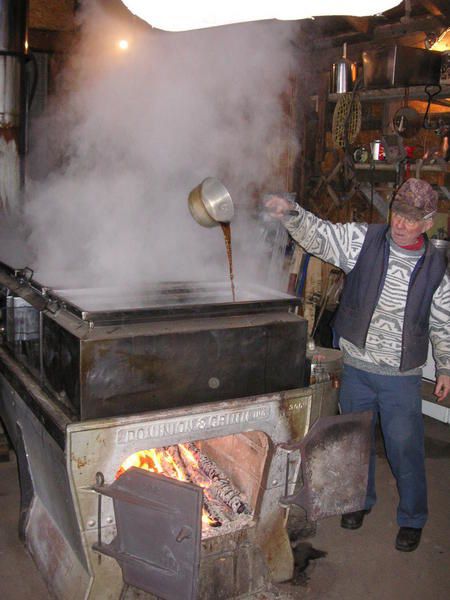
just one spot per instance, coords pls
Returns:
(427, 123)
(406, 121)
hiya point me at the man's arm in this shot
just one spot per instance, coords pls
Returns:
(338, 244)
(440, 337)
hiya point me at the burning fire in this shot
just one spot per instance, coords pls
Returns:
(185, 462)
(150, 460)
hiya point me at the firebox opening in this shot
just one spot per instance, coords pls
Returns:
(228, 469)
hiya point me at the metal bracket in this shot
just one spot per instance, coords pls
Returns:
(287, 449)
(24, 275)
(100, 482)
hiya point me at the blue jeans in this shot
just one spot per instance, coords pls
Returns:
(398, 403)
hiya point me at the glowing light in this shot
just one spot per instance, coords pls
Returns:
(442, 43)
(160, 460)
(179, 15)
(123, 44)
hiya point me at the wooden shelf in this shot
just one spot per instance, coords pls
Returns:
(381, 165)
(414, 93)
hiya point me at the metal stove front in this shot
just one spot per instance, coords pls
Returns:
(253, 425)
(257, 441)
(244, 437)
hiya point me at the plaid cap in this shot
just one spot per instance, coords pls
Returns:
(416, 200)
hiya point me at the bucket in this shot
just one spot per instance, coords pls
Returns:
(441, 245)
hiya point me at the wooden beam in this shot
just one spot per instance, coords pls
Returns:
(361, 25)
(443, 6)
(416, 92)
(322, 106)
(431, 7)
(424, 23)
(323, 43)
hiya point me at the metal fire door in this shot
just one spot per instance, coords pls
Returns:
(158, 538)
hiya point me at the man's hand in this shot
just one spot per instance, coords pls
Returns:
(442, 388)
(277, 206)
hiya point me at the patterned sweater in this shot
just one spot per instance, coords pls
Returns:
(340, 245)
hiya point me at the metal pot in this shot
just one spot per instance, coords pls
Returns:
(343, 74)
(442, 245)
(210, 203)
(407, 122)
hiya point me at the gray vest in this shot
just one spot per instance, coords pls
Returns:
(363, 287)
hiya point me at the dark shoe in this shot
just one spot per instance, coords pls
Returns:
(408, 538)
(354, 520)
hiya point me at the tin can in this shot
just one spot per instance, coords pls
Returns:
(377, 150)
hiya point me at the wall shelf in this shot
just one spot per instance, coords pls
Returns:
(381, 165)
(414, 93)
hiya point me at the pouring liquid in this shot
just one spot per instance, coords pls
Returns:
(226, 228)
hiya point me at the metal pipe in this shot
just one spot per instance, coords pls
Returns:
(13, 44)
(41, 347)
(13, 16)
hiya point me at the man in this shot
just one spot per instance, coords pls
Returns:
(396, 296)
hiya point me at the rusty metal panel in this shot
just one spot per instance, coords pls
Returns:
(111, 371)
(105, 353)
(335, 458)
(51, 527)
(60, 363)
(158, 533)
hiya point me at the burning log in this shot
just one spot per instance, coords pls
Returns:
(221, 487)
(224, 491)
(221, 501)
(170, 467)
(214, 516)
(189, 467)
(221, 510)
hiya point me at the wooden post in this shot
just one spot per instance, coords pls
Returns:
(322, 105)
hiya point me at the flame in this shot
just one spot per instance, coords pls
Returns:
(190, 458)
(145, 459)
(180, 474)
(153, 460)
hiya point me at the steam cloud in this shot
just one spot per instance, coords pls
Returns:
(133, 132)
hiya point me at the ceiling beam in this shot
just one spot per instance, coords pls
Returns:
(322, 43)
(361, 25)
(371, 29)
(431, 8)
(382, 32)
(428, 23)
(440, 7)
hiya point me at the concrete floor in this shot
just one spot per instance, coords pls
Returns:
(359, 565)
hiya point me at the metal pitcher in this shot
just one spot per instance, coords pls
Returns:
(343, 74)
(210, 203)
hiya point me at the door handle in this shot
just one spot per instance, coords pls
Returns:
(184, 534)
